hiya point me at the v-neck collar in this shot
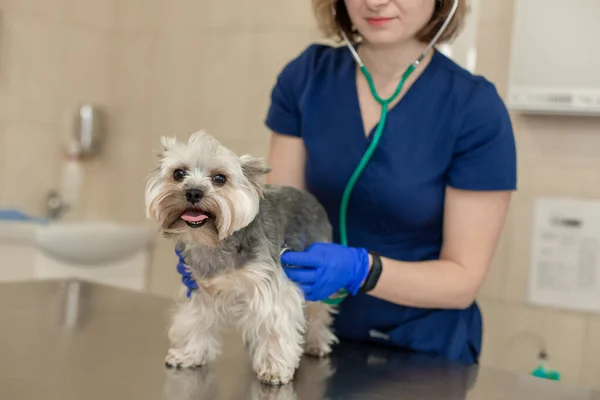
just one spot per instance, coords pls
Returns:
(415, 94)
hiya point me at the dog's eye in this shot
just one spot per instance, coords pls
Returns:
(219, 179)
(178, 175)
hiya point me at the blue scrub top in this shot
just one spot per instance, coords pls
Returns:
(451, 128)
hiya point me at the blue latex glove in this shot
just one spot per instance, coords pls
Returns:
(326, 268)
(186, 275)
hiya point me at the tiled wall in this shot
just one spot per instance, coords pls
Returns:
(558, 156)
(172, 67)
(52, 55)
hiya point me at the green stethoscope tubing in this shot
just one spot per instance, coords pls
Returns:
(339, 296)
(371, 149)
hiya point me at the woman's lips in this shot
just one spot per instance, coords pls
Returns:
(378, 21)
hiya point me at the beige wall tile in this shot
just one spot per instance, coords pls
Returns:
(98, 188)
(54, 9)
(224, 85)
(555, 178)
(515, 287)
(493, 49)
(140, 16)
(526, 171)
(93, 13)
(6, 86)
(590, 375)
(190, 16)
(33, 50)
(266, 64)
(3, 165)
(273, 52)
(87, 72)
(132, 74)
(493, 11)
(176, 72)
(130, 152)
(493, 41)
(31, 154)
(493, 313)
(288, 15)
(237, 15)
(553, 139)
(256, 16)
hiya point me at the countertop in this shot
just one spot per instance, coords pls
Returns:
(72, 340)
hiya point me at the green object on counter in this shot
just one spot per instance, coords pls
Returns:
(542, 372)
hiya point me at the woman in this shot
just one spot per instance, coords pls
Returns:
(429, 207)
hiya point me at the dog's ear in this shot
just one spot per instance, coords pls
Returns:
(167, 143)
(255, 170)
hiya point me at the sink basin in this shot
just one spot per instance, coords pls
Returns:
(82, 243)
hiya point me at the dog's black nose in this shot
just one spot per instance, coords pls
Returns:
(194, 195)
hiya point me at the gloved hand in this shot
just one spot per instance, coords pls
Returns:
(186, 275)
(325, 268)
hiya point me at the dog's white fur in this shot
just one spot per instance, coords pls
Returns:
(276, 323)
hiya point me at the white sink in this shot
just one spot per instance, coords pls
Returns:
(81, 243)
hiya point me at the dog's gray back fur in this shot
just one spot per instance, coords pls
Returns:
(286, 216)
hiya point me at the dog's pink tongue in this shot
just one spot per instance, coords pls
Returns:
(193, 216)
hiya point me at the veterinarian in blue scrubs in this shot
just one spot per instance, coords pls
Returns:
(428, 209)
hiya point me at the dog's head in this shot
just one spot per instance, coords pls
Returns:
(201, 191)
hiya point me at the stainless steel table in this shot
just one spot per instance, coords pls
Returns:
(78, 341)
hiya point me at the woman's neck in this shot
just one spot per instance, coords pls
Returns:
(388, 63)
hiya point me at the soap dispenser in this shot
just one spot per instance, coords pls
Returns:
(88, 131)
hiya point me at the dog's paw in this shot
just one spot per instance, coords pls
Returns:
(317, 349)
(319, 345)
(178, 359)
(275, 376)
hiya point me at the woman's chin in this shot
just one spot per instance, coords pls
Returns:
(384, 38)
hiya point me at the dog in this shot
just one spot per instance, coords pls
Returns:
(230, 227)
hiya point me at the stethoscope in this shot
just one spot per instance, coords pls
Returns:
(338, 297)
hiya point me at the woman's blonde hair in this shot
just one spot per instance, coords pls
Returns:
(332, 23)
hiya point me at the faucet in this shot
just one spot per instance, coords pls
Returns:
(55, 206)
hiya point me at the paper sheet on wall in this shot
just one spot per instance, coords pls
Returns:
(565, 254)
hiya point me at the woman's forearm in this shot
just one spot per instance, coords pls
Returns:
(426, 284)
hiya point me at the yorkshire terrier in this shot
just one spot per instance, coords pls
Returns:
(230, 227)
